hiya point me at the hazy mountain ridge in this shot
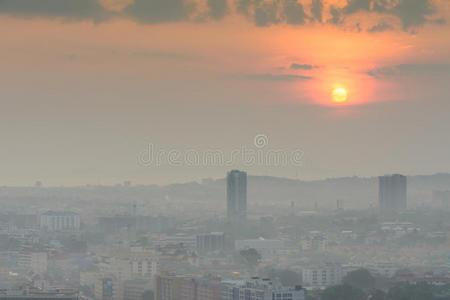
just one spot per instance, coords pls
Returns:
(356, 192)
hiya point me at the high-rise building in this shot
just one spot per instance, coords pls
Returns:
(392, 193)
(237, 195)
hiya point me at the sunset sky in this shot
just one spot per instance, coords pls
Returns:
(362, 87)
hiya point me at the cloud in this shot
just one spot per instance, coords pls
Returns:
(354, 6)
(263, 13)
(166, 55)
(293, 12)
(159, 11)
(272, 77)
(266, 14)
(380, 27)
(410, 70)
(68, 9)
(335, 16)
(217, 8)
(412, 13)
(317, 10)
(295, 66)
(243, 6)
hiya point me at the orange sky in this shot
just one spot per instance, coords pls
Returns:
(205, 63)
(341, 56)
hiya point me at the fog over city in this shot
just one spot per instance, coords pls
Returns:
(225, 150)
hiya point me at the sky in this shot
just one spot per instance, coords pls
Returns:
(103, 91)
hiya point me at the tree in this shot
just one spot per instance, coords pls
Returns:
(251, 256)
(360, 278)
(406, 291)
(378, 295)
(287, 277)
(148, 295)
(343, 292)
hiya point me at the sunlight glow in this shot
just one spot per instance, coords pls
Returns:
(339, 95)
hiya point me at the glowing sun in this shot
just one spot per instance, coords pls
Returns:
(339, 95)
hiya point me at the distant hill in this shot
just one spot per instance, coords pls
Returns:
(356, 192)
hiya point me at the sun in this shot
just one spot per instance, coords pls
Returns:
(339, 95)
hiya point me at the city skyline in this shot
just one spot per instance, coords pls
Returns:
(224, 149)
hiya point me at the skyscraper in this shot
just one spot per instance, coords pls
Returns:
(237, 195)
(392, 193)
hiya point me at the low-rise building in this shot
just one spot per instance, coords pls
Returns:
(37, 294)
(323, 275)
(259, 289)
(60, 221)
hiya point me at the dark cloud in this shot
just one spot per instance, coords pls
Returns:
(243, 6)
(217, 8)
(336, 16)
(295, 66)
(380, 27)
(69, 9)
(317, 10)
(410, 69)
(293, 12)
(354, 6)
(272, 77)
(266, 14)
(159, 11)
(412, 13)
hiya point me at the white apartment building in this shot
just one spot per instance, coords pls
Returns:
(316, 243)
(60, 221)
(33, 261)
(323, 275)
(259, 289)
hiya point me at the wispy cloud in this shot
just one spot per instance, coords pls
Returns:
(295, 66)
(271, 77)
(410, 69)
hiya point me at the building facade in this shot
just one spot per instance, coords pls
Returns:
(37, 294)
(259, 289)
(323, 275)
(210, 242)
(392, 193)
(201, 289)
(169, 287)
(237, 196)
(33, 260)
(60, 221)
